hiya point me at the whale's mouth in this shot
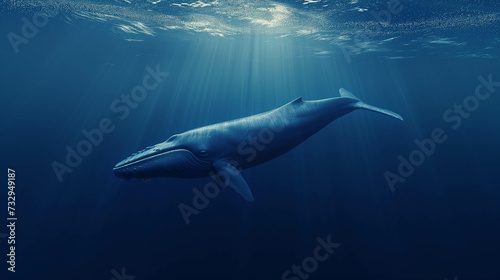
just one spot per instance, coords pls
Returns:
(138, 159)
(177, 162)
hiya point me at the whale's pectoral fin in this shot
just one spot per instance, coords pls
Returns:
(234, 179)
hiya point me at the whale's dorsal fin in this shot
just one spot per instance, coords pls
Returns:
(235, 180)
(296, 101)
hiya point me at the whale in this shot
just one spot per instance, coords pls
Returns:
(229, 147)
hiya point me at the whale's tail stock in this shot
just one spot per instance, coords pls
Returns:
(361, 105)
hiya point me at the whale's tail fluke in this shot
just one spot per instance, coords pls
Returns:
(361, 105)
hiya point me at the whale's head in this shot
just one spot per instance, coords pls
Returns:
(180, 156)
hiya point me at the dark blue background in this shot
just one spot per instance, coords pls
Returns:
(441, 223)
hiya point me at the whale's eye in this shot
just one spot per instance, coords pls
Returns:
(203, 153)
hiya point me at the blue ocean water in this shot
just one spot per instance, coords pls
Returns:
(395, 209)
